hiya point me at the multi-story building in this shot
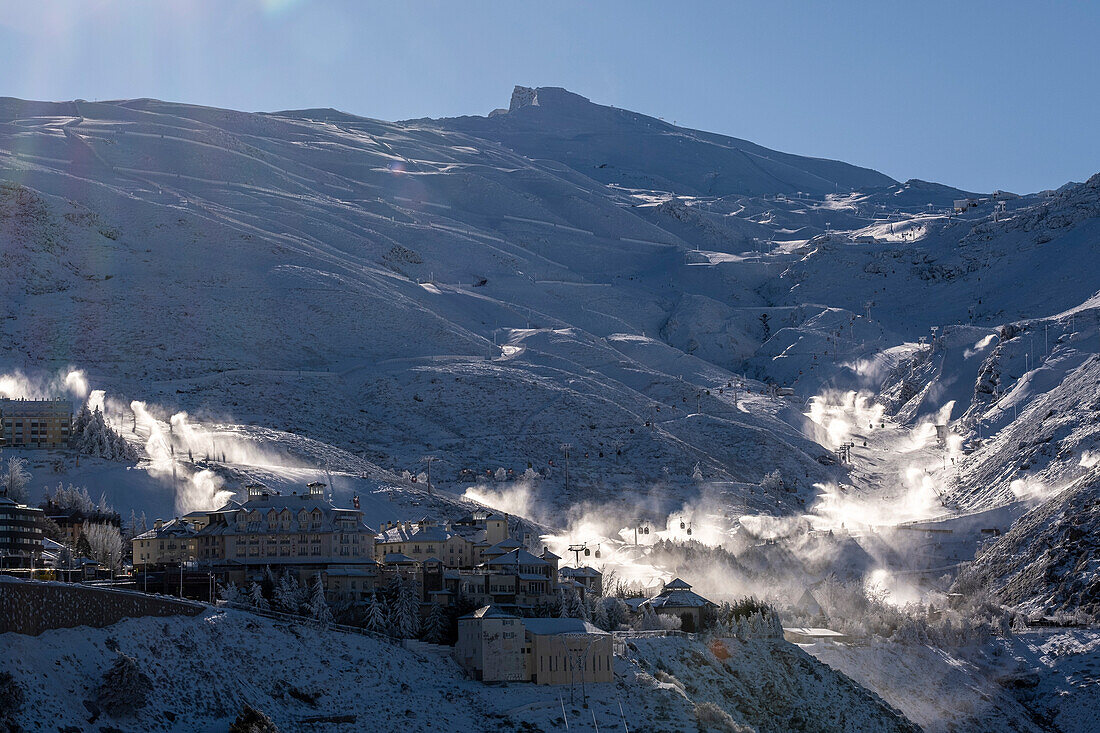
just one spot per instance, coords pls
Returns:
(303, 532)
(20, 534)
(495, 645)
(167, 543)
(457, 544)
(516, 580)
(71, 521)
(589, 580)
(35, 423)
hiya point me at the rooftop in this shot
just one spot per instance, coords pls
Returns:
(489, 612)
(552, 626)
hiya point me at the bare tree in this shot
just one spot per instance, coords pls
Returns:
(15, 479)
(105, 542)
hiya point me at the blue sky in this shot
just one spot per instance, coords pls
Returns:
(980, 95)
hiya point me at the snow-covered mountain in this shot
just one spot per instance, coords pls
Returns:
(487, 289)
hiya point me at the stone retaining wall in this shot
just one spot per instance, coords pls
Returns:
(31, 607)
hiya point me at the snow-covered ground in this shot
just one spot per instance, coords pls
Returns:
(205, 669)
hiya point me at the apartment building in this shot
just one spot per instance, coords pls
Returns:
(35, 423)
(20, 534)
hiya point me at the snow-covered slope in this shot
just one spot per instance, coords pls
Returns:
(635, 151)
(204, 670)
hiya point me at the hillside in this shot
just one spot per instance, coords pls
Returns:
(206, 669)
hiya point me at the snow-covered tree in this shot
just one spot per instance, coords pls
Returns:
(124, 688)
(597, 612)
(376, 615)
(436, 627)
(231, 593)
(104, 543)
(647, 621)
(616, 611)
(287, 594)
(406, 608)
(75, 500)
(571, 605)
(15, 479)
(256, 597)
(318, 606)
(93, 436)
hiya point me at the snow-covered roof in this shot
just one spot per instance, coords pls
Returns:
(417, 532)
(397, 558)
(489, 612)
(173, 528)
(677, 584)
(582, 572)
(506, 545)
(518, 556)
(678, 599)
(815, 632)
(552, 626)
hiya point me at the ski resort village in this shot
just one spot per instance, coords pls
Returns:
(533, 412)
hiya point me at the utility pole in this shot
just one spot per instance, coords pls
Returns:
(566, 447)
(428, 460)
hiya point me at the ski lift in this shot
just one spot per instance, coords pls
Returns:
(597, 551)
(689, 531)
(682, 525)
(587, 552)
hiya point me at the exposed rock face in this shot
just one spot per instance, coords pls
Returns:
(523, 97)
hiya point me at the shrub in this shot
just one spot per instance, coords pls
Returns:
(124, 689)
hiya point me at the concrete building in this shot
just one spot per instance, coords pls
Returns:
(677, 599)
(491, 645)
(303, 531)
(35, 423)
(498, 646)
(563, 651)
(20, 534)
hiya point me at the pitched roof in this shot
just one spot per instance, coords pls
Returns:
(582, 572)
(677, 584)
(678, 599)
(551, 626)
(173, 528)
(518, 556)
(489, 612)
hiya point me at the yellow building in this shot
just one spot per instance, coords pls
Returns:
(35, 423)
(300, 531)
(167, 543)
(564, 651)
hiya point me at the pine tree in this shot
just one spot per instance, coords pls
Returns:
(256, 597)
(376, 615)
(436, 627)
(231, 594)
(406, 609)
(572, 606)
(286, 594)
(597, 613)
(318, 606)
